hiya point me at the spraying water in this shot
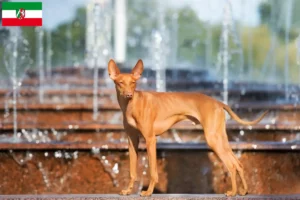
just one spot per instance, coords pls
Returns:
(96, 50)
(298, 54)
(16, 60)
(224, 55)
(107, 163)
(226, 52)
(49, 54)
(160, 50)
(14, 79)
(174, 43)
(40, 61)
(289, 11)
(98, 43)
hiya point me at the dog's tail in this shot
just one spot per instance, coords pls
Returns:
(239, 120)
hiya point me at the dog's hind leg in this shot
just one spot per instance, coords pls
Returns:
(215, 134)
(240, 170)
(225, 156)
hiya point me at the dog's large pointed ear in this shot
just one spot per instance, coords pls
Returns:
(113, 69)
(138, 69)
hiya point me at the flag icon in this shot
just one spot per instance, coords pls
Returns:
(22, 14)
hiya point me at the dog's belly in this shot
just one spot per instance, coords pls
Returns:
(161, 126)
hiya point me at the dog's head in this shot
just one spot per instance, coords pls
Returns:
(125, 83)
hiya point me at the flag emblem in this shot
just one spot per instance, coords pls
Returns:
(22, 14)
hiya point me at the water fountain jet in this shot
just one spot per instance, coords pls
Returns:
(160, 50)
(224, 49)
(288, 19)
(98, 43)
(16, 60)
(49, 54)
(40, 61)
(298, 54)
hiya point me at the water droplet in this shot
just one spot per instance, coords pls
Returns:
(58, 154)
(243, 91)
(242, 132)
(116, 168)
(273, 121)
(95, 150)
(67, 155)
(267, 126)
(75, 154)
(105, 52)
(293, 146)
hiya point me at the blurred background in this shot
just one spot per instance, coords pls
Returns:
(261, 35)
(60, 117)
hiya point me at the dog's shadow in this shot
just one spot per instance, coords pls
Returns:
(189, 172)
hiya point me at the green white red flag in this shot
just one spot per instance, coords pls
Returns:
(22, 14)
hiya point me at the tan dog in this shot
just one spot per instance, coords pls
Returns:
(152, 113)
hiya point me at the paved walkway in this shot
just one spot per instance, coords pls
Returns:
(154, 197)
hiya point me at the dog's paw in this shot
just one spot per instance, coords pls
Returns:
(145, 194)
(243, 192)
(230, 193)
(125, 192)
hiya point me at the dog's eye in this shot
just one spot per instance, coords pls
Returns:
(133, 82)
(121, 82)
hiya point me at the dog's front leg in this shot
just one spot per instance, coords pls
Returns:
(133, 143)
(151, 151)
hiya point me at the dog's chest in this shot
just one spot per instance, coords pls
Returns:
(129, 117)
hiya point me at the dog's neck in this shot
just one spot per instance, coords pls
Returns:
(123, 102)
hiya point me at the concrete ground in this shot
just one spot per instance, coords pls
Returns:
(154, 197)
